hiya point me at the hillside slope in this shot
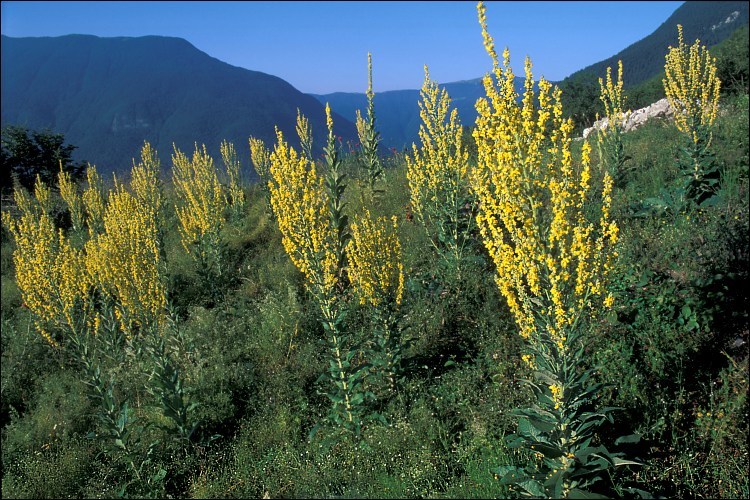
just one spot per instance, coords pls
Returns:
(108, 95)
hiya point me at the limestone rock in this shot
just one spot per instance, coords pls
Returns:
(634, 119)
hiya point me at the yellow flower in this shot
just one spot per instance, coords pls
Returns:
(124, 261)
(300, 203)
(93, 201)
(232, 167)
(50, 273)
(202, 202)
(261, 158)
(438, 171)
(304, 132)
(691, 85)
(551, 256)
(145, 180)
(375, 264)
(69, 193)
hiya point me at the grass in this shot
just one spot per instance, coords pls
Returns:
(675, 351)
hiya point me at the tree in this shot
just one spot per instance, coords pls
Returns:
(27, 153)
(580, 99)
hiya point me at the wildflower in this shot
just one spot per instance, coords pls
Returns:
(375, 263)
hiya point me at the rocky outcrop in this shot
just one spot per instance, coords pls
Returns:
(633, 119)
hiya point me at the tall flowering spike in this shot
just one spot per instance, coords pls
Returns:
(437, 171)
(609, 140)
(145, 180)
(691, 85)
(69, 194)
(300, 203)
(232, 167)
(201, 197)
(304, 132)
(369, 137)
(49, 272)
(489, 44)
(329, 121)
(93, 201)
(612, 97)
(261, 158)
(551, 259)
(370, 93)
(42, 193)
(375, 264)
(124, 261)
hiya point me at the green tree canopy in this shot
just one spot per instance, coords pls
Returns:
(26, 153)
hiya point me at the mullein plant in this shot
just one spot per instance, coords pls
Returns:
(552, 240)
(609, 141)
(232, 166)
(438, 175)
(304, 132)
(369, 137)
(124, 263)
(303, 209)
(147, 187)
(70, 195)
(376, 271)
(200, 209)
(335, 184)
(260, 157)
(50, 272)
(692, 88)
(93, 201)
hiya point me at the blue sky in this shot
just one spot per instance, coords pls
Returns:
(321, 47)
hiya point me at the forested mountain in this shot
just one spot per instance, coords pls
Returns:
(712, 22)
(108, 95)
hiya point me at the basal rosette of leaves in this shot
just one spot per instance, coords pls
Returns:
(552, 240)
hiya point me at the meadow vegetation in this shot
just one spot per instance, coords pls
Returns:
(501, 311)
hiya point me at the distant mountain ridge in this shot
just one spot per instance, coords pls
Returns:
(108, 95)
(710, 22)
(397, 111)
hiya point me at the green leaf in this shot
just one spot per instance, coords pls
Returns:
(620, 461)
(580, 494)
(630, 438)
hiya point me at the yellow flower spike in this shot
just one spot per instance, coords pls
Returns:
(69, 194)
(533, 204)
(375, 262)
(300, 202)
(691, 85)
(49, 271)
(42, 194)
(261, 158)
(124, 261)
(201, 199)
(304, 132)
(232, 168)
(93, 201)
(437, 171)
